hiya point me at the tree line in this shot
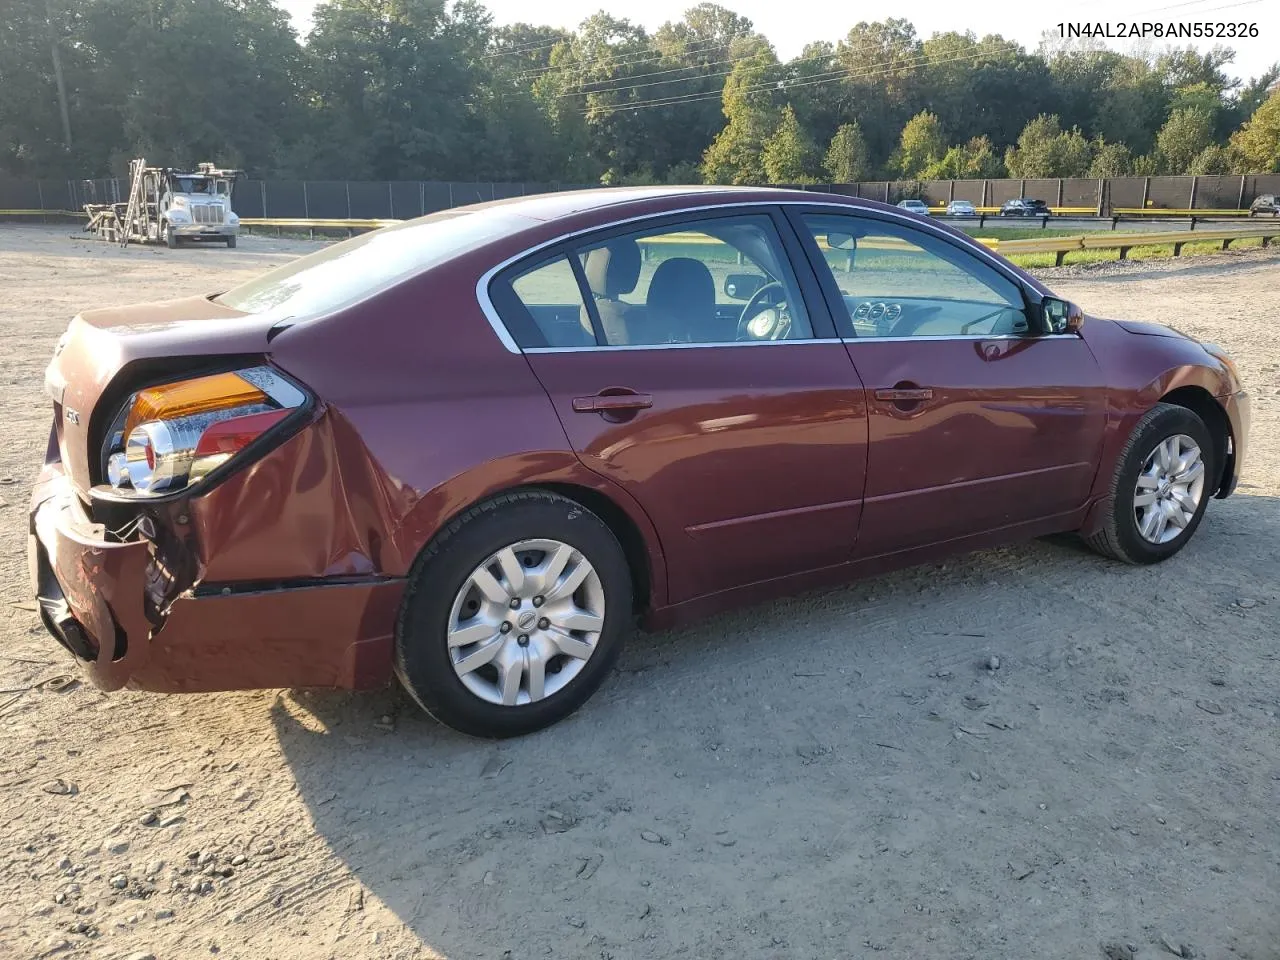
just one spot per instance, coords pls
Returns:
(426, 89)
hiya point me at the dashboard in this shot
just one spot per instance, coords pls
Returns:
(932, 317)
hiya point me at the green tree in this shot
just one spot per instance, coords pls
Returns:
(1146, 165)
(920, 145)
(1251, 96)
(736, 154)
(1185, 134)
(1119, 98)
(1213, 159)
(975, 160)
(882, 66)
(32, 138)
(695, 53)
(1258, 142)
(1044, 149)
(1110, 159)
(391, 88)
(847, 160)
(788, 155)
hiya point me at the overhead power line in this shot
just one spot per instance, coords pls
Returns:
(831, 77)
(625, 83)
(634, 58)
(532, 47)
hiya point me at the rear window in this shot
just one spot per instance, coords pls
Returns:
(345, 273)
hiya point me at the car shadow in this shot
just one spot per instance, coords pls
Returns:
(844, 768)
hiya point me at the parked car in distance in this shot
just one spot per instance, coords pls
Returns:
(469, 450)
(914, 206)
(1267, 203)
(961, 208)
(1024, 207)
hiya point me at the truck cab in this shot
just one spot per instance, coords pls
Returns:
(197, 206)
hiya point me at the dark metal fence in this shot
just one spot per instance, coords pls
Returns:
(403, 199)
(287, 199)
(1101, 196)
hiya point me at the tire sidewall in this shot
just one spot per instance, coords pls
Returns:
(422, 658)
(1169, 422)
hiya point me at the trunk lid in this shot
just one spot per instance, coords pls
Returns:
(100, 343)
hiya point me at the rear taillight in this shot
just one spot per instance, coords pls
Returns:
(169, 437)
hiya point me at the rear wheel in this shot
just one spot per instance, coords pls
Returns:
(1161, 487)
(514, 615)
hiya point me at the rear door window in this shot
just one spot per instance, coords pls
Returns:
(710, 281)
(552, 297)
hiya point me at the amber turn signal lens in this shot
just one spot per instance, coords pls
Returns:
(172, 400)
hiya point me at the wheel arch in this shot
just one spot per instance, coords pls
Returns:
(624, 529)
(624, 517)
(1204, 405)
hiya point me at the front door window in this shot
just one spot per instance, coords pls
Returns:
(898, 282)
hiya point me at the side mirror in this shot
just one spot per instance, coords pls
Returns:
(1061, 316)
(841, 241)
(743, 286)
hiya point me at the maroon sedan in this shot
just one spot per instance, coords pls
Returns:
(469, 449)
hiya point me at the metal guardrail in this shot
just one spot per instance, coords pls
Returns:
(1124, 242)
(941, 208)
(1162, 212)
(312, 224)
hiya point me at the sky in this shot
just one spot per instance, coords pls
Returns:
(790, 24)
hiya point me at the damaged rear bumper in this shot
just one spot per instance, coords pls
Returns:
(93, 596)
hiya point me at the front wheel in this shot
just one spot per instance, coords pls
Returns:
(513, 615)
(231, 243)
(1162, 484)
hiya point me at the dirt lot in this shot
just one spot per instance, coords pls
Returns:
(836, 776)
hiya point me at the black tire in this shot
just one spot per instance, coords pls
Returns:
(1119, 537)
(422, 659)
(231, 243)
(170, 238)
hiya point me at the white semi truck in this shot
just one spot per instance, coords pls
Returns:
(167, 205)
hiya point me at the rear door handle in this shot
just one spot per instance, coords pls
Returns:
(613, 401)
(899, 394)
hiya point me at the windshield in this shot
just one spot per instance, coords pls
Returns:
(348, 272)
(191, 185)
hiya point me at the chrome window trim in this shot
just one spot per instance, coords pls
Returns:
(504, 335)
(854, 341)
(685, 346)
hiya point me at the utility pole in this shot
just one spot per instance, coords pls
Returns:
(57, 76)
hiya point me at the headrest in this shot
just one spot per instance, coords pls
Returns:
(613, 269)
(681, 284)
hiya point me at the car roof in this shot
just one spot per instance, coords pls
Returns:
(556, 206)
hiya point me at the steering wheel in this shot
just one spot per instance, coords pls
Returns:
(763, 320)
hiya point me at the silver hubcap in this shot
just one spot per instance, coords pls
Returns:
(526, 622)
(1169, 489)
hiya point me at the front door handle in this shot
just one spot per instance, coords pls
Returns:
(907, 394)
(611, 402)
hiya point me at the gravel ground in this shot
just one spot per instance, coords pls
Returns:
(1027, 752)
